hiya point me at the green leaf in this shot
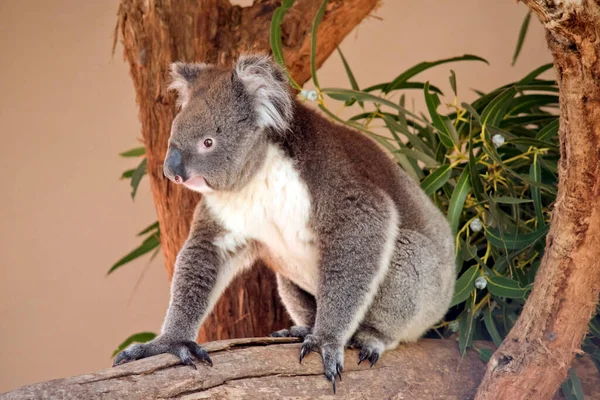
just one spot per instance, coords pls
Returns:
(457, 201)
(147, 246)
(409, 73)
(571, 387)
(535, 73)
(495, 111)
(490, 326)
(466, 326)
(485, 354)
(506, 287)
(549, 131)
(136, 152)
(419, 156)
(141, 337)
(471, 111)
(347, 94)
(351, 77)
(150, 228)
(533, 142)
(510, 200)
(514, 240)
(521, 39)
(313, 43)
(402, 128)
(535, 173)
(436, 179)
(433, 101)
(128, 174)
(402, 86)
(464, 285)
(275, 37)
(453, 82)
(136, 177)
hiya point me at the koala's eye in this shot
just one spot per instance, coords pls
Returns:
(208, 143)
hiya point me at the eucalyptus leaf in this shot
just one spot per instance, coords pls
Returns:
(464, 285)
(147, 246)
(521, 39)
(490, 326)
(313, 41)
(436, 179)
(466, 326)
(457, 201)
(506, 287)
(439, 121)
(137, 176)
(406, 75)
(135, 152)
(514, 240)
(141, 337)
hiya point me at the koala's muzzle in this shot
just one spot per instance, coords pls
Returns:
(173, 167)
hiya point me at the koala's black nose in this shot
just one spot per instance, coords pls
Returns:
(173, 167)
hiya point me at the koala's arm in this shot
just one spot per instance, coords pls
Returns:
(202, 272)
(197, 270)
(357, 241)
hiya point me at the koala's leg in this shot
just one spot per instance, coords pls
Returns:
(202, 272)
(356, 250)
(300, 305)
(415, 294)
(371, 343)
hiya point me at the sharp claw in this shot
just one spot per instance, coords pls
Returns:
(209, 361)
(339, 372)
(302, 354)
(373, 359)
(362, 356)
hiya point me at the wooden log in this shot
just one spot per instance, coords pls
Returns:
(268, 368)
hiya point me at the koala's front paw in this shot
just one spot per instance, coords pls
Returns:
(184, 349)
(331, 352)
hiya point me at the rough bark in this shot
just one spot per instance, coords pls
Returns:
(535, 357)
(259, 369)
(157, 32)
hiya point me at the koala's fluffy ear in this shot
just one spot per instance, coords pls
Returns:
(267, 84)
(183, 76)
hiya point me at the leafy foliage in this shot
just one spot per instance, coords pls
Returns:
(491, 166)
(152, 241)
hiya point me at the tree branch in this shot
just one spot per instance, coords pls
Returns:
(268, 368)
(535, 357)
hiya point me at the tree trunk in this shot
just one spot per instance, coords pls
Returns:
(535, 357)
(157, 32)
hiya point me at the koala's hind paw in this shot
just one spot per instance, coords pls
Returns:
(368, 353)
(186, 350)
(294, 331)
(332, 355)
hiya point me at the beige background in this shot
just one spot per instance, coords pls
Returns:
(67, 109)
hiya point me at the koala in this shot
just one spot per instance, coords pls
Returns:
(362, 256)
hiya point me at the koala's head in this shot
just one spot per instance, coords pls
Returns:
(219, 138)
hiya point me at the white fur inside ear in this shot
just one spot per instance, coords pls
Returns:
(266, 83)
(182, 77)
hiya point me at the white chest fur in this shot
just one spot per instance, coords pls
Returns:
(273, 209)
